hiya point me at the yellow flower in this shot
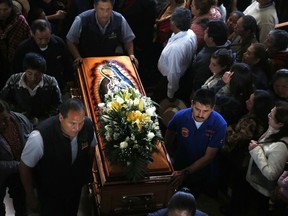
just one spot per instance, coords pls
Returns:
(127, 96)
(137, 117)
(141, 104)
(115, 105)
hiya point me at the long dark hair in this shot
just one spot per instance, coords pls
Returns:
(263, 103)
(241, 84)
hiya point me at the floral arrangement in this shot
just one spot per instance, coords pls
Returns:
(130, 130)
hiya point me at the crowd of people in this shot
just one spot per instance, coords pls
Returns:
(224, 59)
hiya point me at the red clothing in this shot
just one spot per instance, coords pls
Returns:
(198, 24)
(11, 36)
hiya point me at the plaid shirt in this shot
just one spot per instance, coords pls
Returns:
(12, 35)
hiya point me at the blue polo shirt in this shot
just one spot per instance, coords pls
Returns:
(192, 142)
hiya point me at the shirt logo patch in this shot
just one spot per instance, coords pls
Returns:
(185, 132)
(84, 145)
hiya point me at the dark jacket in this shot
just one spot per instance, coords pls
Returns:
(59, 62)
(56, 176)
(92, 43)
(8, 164)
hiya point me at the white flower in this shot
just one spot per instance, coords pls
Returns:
(123, 145)
(136, 102)
(119, 100)
(101, 105)
(150, 135)
(151, 111)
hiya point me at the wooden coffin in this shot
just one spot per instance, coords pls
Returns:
(113, 193)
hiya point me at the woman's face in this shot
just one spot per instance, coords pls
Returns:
(249, 57)
(250, 102)
(194, 10)
(272, 121)
(215, 67)
(280, 87)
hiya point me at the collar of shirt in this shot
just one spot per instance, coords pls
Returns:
(23, 84)
(177, 36)
(102, 29)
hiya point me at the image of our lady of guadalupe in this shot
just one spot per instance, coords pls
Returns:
(113, 79)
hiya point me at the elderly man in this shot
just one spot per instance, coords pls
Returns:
(179, 51)
(32, 92)
(100, 32)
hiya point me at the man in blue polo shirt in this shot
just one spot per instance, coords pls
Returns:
(193, 138)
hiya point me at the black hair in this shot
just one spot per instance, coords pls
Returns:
(34, 61)
(263, 103)
(112, 1)
(40, 25)
(250, 24)
(281, 116)
(224, 58)
(280, 74)
(241, 84)
(204, 96)
(218, 30)
(181, 18)
(71, 104)
(279, 39)
(4, 107)
(183, 201)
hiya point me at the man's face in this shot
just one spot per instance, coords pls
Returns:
(5, 11)
(32, 77)
(281, 87)
(201, 112)
(4, 121)
(103, 11)
(232, 21)
(73, 123)
(42, 38)
(239, 27)
(179, 213)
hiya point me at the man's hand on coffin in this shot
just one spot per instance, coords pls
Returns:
(134, 60)
(77, 62)
(177, 178)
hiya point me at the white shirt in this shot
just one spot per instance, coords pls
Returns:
(23, 84)
(266, 18)
(34, 149)
(176, 58)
